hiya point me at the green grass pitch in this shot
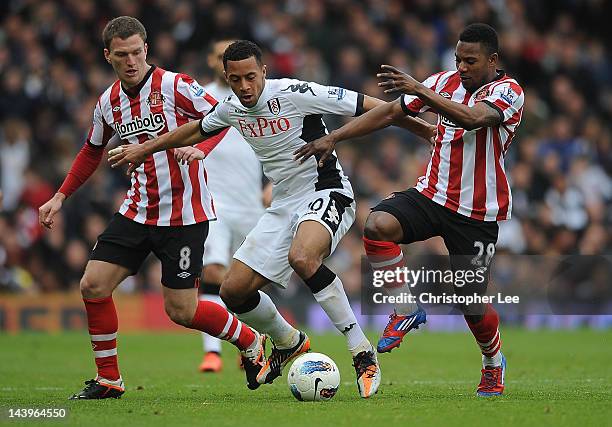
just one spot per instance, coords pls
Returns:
(553, 378)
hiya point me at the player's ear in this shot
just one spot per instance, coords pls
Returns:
(107, 55)
(263, 71)
(493, 58)
(146, 48)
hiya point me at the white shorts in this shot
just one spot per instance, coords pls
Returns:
(226, 234)
(266, 247)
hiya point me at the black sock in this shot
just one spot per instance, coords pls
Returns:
(322, 278)
(248, 305)
(209, 288)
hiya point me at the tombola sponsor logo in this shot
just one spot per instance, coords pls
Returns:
(150, 124)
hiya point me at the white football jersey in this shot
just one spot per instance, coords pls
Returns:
(233, 171)
(287, 115)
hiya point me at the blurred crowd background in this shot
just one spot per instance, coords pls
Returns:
(52, 70)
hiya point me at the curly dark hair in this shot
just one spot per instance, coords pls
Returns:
(483, 34)
(242, 49)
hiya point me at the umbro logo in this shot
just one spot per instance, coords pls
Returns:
(183, 275)
(116, 108)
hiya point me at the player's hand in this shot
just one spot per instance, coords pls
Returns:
(186, 155)
(395, 81)
(434, 134)
(324, 146)
(47, 211)
(132, 154)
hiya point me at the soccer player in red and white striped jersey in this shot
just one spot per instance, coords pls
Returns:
(465, 190)
(166, 210)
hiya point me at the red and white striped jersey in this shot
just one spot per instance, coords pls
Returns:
(466, 171)
(163, 192)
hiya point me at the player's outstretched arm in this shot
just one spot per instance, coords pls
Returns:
(417, 126)
(376, 118)
(382, 115)
(469, 118)
(135, 154)
(414, 124)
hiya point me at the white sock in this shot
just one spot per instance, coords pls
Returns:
(334, 302)
(266, 319)
(210, 343)
(492, 361)
(405, 308)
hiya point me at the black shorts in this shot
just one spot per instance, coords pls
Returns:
(470, 242)
(179, 248)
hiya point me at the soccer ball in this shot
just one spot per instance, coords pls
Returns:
(313, 377)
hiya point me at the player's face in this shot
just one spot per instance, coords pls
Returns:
(128, 58)
(474, 64)
(246, 78)
(215, 58)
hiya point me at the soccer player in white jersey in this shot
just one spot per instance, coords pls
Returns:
(465, 190)
(235, 180)
(166, 211)
(312, 205)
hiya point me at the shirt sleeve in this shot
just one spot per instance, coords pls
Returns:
(413, 105)
(191, 99)
(84, 165)
(100, 132)
(313, 98)
(507, 98)
(215, 121)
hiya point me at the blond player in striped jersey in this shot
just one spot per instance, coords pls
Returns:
(166, 211)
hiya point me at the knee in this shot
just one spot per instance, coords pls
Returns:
(304, 264)
(91, 288)
(230, 293)
(179, 314)
(213, 273)
(379, 227)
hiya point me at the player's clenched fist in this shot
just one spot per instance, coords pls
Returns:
(47, 211)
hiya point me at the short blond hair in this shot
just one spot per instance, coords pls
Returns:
(122, 27)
